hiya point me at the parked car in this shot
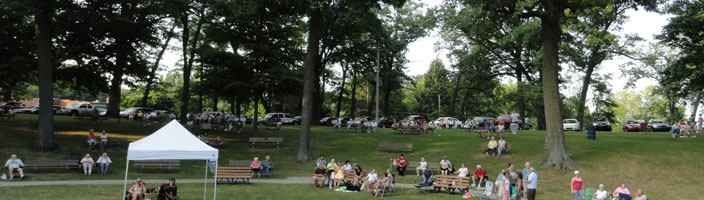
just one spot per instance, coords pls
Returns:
(23, 110)
(162, 115)
(571, 125)
(631, 125)
(297, 120)
(483, 121)
(58, 110)
(386, 121)
(507, 120)
(601, 124)
(327, 121)
(126, 112)
(80, 109)
(10, 105)
(285, 117)
(417, 118)
(450, 122)
(655, 125)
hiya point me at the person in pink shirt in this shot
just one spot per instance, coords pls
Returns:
(256, 166)
(577, 189)
(87, 163)
(622, 192)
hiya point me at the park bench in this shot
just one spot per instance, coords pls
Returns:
(7, 115)
(117, 142)
(505, 151)
(233, 174)
(52, 164)
(433, 167)
(265, 141)
(168, 164)
(350, 176)
(395, 147)
(246, 163)
(451, 183)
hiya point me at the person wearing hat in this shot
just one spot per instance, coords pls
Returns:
(137, 190)
(577, 189)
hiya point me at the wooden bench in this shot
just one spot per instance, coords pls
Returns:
(233, 174)
(350, 176)
(451, 183)
(431, 166)
(52, 164)
(395, 147)
(169, 164)
(266, 141)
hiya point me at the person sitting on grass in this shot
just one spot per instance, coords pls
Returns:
(640, 195)
(319, 176)
(104, 162)
(463, 171)
(371, 180)
(339, 175)
(622, 192)
(478, 177)
(502, 146)
(91, 139)
(600, 194)
(402, 163)
(381, 184)
(445, 166)
(491, 147)
(267, 165)
(422, 166)
(87, 163)
(218, 141)
(168, 191)
(137, 190)
(14, 164)
(256, 167)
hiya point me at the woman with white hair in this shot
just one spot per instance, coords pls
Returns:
(256, 167)
(600, 194)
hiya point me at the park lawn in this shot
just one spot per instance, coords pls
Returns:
(663, 166)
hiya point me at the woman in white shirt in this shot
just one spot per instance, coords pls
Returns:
(371, 180)
(423, 165)
(463, 171)
(103, 140)
(347, 165)
(445, 166)
(600, 194)
(104, 161)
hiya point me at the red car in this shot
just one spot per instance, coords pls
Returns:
(631, 125)
(10, 105)
(506, 119)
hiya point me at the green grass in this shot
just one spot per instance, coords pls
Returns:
(663, 166)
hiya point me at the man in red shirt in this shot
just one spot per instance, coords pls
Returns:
(478, 175)
(402, 163)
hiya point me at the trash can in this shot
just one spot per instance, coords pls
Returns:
(514, 128)
(591, 133)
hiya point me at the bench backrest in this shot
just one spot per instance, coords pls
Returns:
(461, 182)
(431, 165)
(157, 163)
(239, 163)
(267, 139)
(50, 163)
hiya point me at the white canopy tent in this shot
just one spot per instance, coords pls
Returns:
(172, 142)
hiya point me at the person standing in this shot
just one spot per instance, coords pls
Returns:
(103, 140)
(402, 163)
(505, 187)
(700, 121)
(512, 176)
(576, 185)
(532, 184)
(104, 162)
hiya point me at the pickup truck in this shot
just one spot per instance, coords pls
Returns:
(80, 109)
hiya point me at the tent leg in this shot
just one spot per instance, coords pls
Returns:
(124, 186)
(205, 181)
(215, 180)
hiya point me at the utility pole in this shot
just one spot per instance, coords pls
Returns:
(377, 85)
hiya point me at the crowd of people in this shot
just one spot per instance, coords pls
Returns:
(217, 121)
(334, 173)
(621, 192)
(363, 124)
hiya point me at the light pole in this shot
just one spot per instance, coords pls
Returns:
(377, 85)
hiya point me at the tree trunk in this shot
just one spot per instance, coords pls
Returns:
(7, 94)
(308, 84)
(519, 89)
(555, 150)
(215, 103)
(671, 106)
(695, 106)
(200, 92)
(454, 94)
(370, 104)
(265, 104)
(353, 98)
(256, 113)
(42, 31)
(342, 90)
(115, 92)
(464, 101)
(583, 94)
(238, 106)
(232, 104)
(387, 99)
(188, 61)
(152, 72)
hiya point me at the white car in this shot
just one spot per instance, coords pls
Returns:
(450, 122)
(570, 125)
(285, 117)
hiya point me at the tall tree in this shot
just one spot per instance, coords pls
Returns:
(184, 9)
(309, 78)
(43, 26)
(155, 67)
